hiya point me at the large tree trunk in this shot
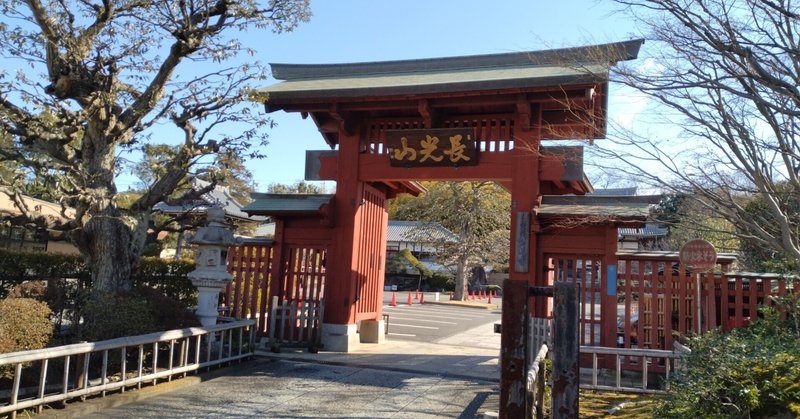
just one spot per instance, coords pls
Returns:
(108, 252)
(461, 279)
(110, 240)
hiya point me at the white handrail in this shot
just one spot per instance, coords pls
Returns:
(81, 348)
(79, 385)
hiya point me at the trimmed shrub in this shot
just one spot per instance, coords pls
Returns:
(24, 325)
(441, 281)
(167, 312)
(17, 267)
(101, 316)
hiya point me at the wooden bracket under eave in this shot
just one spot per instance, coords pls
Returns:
(327, 211)
(344, 119)
(430, 116)
(525, 111)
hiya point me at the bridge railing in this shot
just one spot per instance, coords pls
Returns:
(95, 368)
(636, 383)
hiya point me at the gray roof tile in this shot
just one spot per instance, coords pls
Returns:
(268, 203)
(219, 196)
(439, 75)
(417, 231)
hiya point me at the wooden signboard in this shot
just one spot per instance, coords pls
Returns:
(432, 147)
(698, 256)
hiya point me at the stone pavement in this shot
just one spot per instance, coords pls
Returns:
(454, 377)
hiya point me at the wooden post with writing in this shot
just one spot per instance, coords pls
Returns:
(566, 351)
(513, 351)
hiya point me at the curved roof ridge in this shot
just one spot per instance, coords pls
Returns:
(589, 54)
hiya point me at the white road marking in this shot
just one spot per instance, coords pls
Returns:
(401, 334)
(421, 320)
(412, 325)
(450, 314)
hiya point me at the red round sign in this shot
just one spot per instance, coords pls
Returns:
(698, 255)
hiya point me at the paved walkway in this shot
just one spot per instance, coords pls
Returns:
(454, 377)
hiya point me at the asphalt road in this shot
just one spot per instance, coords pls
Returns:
(429, 322)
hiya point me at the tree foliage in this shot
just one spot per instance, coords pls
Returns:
(92, 81)
(686, 220)
(476, 212)
(767, 259)
(724, 76)
(300, 187)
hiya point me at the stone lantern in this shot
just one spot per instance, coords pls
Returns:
(210, 275)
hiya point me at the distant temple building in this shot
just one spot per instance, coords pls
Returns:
(16, 234)
(650, 237)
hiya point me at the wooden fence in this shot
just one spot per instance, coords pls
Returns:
(295, 323)
(281, 287)
(657, 299)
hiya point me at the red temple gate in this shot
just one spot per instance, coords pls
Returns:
(461, 118)
(473, 118)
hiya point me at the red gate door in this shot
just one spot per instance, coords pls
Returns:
(586, 271)
(371, 250)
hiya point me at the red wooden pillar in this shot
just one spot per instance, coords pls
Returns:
(522, 264)
(339, 329)
(278, 268)
(608, 290)
(382, 238)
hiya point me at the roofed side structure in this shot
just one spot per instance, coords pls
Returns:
(273, 204)
(219, 196)
(597, 208)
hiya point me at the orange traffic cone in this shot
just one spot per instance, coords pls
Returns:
(473, 296)
(490, 298)
(416, 295)
(394, 300)
(409, 299)
(451, 296)
(422, 298)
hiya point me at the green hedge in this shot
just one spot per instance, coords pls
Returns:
(167, 276)
(15, 265)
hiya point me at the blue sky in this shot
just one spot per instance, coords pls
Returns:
(378, 30)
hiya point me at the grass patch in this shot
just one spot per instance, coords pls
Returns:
(598, 404)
